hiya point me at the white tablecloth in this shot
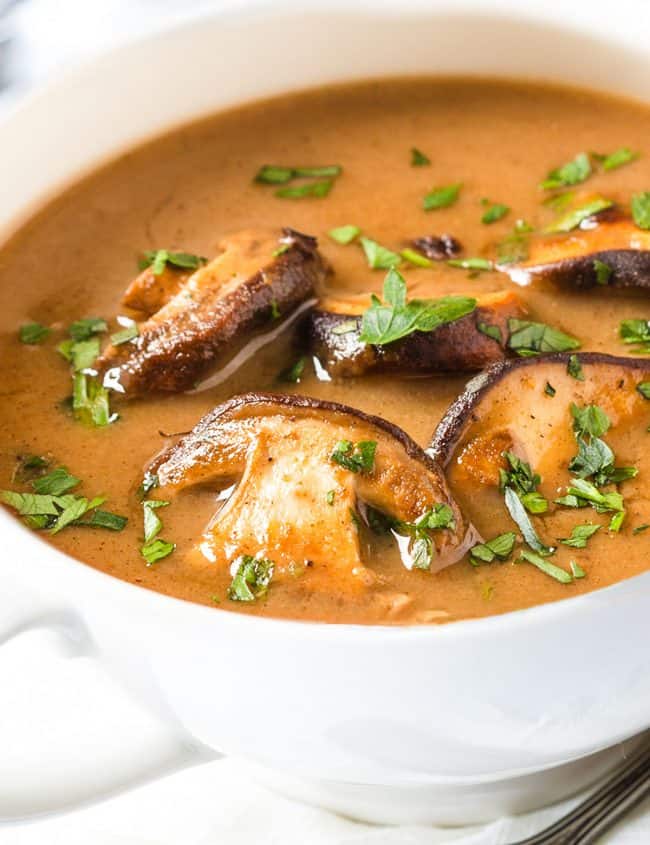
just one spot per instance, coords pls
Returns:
(53, 706)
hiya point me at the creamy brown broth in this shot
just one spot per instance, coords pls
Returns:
(191, 187)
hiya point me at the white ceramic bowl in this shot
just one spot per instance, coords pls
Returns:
(449, 724)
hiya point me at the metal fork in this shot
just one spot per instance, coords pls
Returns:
(585, 824)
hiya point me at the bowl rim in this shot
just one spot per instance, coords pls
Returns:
(77, 570)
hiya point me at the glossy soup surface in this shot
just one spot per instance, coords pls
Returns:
(188, 189)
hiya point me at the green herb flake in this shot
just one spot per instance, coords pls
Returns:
(574, 368)
(379, 257)
(499, 548)
(636, 331)
(106, 519)
(475, 264)
(293, 374)
(416, 258)
(585, 490)
(528, 338)
(357, 458)
(271, 174)
(576, 570)
(251, 578)
(572, 219)
(616, 522)
(33, 333)
(618, 158)
(546, 566)
(344, 234)
(125, 335)
(395, 318)
(572, 173)
(156, 550)
(640, 528)
(55, 483)
(579, 535)
(90, 401)
(590, 420)
(644, 389)
(549, 390)
(418, 158)
(152, 522)
(442, 197)
(329, 498)
(86, 328)
(309, 189)
(491, 331)
(603, 272)
(520, 517)
(497, 211)
(641, 209)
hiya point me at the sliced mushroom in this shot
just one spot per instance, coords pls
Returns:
(460, 346)
(149, 291)
(523, 406)
(610, 252)
(292, 502)
(204, 320)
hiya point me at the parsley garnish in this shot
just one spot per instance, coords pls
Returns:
(86, 328)
(293, 373)
(546, 566)
(644, 389)
(418, 158)
(500, 548)
(442, 197)
(416, 258)
(33, 333)
(344, 234)
(636, 331)
(126, 334)
(491, 331)
(154, 548)
(514, 247)
(528, 338)
(571, 173)
(641, 528)
(158, 259)
(90, 401)
(329, 498)
(591, 420)
(579, 535)
(572, 219)
(379, 257)
(549, 390)
(355, 457)
(616, 522)
(476, 264)
(397, 318)
(603, 272)
(574, 368)
(641, 209)
(271, 174)
(421, 549)
(524, 482)
(251, 578)
(495, 212)
(309, 189)
(584, 490)
(576, 570)
(55, 483)
(519, 515)
(618, 158)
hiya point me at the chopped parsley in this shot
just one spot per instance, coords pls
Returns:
(520, 477)
(418, 158)
(590, 420)
(396, 317)
(416, 258)
(616, 522)
(86, 328)
(33, 333)
(293, 374)
(603, 272)
(344, 234)
(421, 549)
(574, 368)
(546, 566)
(271, 174)
(491, 331)
(528, 338)
(154, 548)
(499, 548)
(641, 209)
(520, 517)
(579, 535)
(595, 459)
(475, 264)
(158, 259)
(329, 498)
(125, 335)
(574, 218)
(549, 390)
(442, 197)
(251, 578)
(497, 211)
(644, 389)
(515, 246)
(572, 173)
(621, 156)
(55, 483)
(320, 188)
(355, 457)
(576, 570)
(90, 402)
(636, 331)
(379, 257)
(585, 491)
(640, 528)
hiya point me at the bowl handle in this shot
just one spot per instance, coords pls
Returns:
(25, 795)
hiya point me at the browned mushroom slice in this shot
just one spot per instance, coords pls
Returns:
(523, 406)
(464, 345)
(611, 252)
(252, 287)
(303, 471)
(149, 291)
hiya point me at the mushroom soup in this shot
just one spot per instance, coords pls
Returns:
(372, 353)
